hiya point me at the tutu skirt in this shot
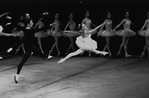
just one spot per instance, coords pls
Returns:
(144, 33)
(41, 34)
(126, 33)
(86, 43)
(106, 33)
(53, 33)
(19, 33)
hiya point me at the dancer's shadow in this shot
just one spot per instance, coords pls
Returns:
(78, 73)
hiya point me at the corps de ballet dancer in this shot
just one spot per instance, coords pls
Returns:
(56, 33)
(20, 34)
(87, 21)
(42, 33)
(145, 33)
(71, 24)
(107, 33)
(28, 41)
(125, 33)
(85, 43)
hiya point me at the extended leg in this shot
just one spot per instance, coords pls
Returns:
(27, 54)
(71, 54)
(99, 52)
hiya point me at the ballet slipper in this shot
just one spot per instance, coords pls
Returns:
(142, 54)
(1, 58)
(9, 50)
(49, 57)
(16, 78)
(127, 55)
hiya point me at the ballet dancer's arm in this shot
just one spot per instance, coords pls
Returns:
(4, 14)
(90, 31)
(6, 34)
(119, 24)
(67, 25)
(144, 24)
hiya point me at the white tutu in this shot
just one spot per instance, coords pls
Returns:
(86, 43)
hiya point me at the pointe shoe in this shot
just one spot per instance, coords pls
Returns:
(9, 50)
(16, 78)
(61, 61)
(1, 58)
(142, 55)
(32, 53)
(127, 55)
(58, 53)
(49, 57)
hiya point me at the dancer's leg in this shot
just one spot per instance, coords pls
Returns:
(27, 54)
(145, 47)
(108, 45)
(71, 54)
(99, 52)
(56, 43)
(23, 48)
(71, 45)
(122, 44)
(39, 43)
(125, 48)
(52, 48)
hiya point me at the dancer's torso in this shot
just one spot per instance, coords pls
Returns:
(127, 23)
(72, 26)
(87, 22)
(108, 25)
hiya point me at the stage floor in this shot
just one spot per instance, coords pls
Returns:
(78, 77)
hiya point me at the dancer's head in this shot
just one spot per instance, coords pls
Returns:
(27, 15)
(71, 16)
(84, 27)
(87, 14)
(126, 14)
(108, 15)
(56, 16)
(148, 15)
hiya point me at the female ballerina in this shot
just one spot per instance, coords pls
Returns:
(87, 21)
(40, 34)
(55, 32)
(125, 33)
(107, 33)
(85, 43)
(145, 33)
(71, 24)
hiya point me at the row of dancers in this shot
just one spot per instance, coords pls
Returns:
(28, 32)
(71, 31)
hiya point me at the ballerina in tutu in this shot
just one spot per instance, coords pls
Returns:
(55, 32)
(145, 33)
(40, 34)
(85, 43)
(71, 24)
(107, 33)
(125, 33)
(87, 21)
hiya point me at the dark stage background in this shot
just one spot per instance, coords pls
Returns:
(97, 8)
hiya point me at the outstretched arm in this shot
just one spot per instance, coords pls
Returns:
(67, 25)
(144, 24)
(90, 31)
(119, 24)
